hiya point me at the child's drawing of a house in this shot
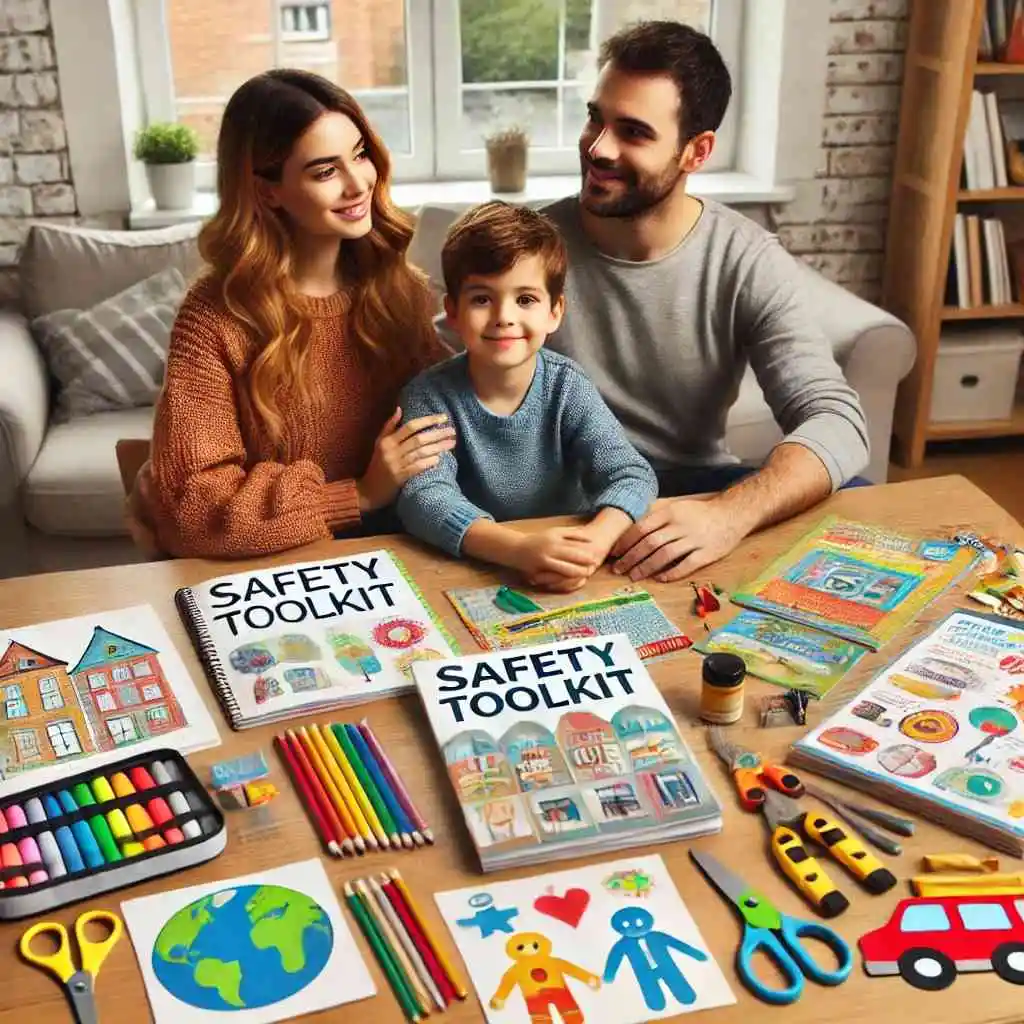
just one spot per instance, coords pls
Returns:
(124, 692)
(590, 745)
(42, 720)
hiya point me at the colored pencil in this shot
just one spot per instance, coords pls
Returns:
(402, 826)
(376, 942)
(323, 798)
(422, 941)
(322, 773)
(306, 795)
(407, 942)
(370, 787)
(355, 781)
(423, 829)
(362, 825)
(403, 889)
(348, 799)
(395, 948)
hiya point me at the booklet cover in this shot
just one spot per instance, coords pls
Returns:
(81, 692)
(939, 730)
(557, 749)
(295, 639)
(857, 581)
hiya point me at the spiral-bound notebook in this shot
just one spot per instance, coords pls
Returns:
(297, 639)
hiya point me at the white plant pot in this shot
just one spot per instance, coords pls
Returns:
(173, 186)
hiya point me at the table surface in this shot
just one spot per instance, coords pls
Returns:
(936, 507)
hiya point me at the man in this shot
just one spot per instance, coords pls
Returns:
(669, 297)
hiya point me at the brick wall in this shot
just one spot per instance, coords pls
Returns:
(837, 223)
(35, 179)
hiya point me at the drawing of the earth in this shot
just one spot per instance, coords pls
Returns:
(242, 948)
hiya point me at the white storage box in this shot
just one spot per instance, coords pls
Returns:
(976, 373)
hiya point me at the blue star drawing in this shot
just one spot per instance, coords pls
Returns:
(488, 918)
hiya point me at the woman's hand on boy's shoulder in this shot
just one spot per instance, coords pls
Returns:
(401, 452)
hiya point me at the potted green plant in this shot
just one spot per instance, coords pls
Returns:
(506, 159)
(169, 152)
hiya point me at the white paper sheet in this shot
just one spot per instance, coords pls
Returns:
(621, 911)
(233, 947)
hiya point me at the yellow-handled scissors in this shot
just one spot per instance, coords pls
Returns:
(78, 984)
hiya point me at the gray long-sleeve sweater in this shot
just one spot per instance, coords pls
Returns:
(560, 453)
(666, 342)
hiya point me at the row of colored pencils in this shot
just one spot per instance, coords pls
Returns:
(419, 973)
(351, 789)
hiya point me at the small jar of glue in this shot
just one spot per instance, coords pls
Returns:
(721, 696)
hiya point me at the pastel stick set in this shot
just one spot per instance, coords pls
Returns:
(120, 824)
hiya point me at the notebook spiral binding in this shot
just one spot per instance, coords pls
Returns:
(206, 651)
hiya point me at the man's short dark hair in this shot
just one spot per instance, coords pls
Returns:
(688, 57)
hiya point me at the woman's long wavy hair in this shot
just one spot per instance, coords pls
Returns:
(248, 249)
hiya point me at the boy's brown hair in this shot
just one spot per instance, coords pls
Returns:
(492, 237)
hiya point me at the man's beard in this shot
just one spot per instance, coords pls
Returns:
(639, 194)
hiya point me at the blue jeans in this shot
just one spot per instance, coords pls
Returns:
(673, 483)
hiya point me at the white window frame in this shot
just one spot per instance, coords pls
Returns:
(64, 731)
(451, 161)
(142, 669)
(49, 693)
(121, 674)
(122, 730)
(317, 35)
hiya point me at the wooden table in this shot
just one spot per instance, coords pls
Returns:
(936, 507)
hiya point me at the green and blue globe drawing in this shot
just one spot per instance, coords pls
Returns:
(243, 948)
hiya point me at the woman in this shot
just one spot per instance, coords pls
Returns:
(286, 358)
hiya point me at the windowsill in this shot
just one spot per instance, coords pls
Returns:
(730, 187)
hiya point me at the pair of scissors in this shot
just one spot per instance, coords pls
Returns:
(778, 936)
(79, 985)
(751, 773)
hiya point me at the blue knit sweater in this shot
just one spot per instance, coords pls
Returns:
(562, 452)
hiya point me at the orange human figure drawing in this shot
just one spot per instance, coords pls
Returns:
(542, 978)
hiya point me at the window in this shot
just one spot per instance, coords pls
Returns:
(16, 707)
(121, 674)
(984, 917)
(122, 730)
(26, 742)
(433, 76)
(141, 669)
(128, 696)
(97, 681)
(158, 715)
(151, 692)
(49, 691)
(924, 917)
(63, 739)
(105, 702)
(24, 664)
(305, 22)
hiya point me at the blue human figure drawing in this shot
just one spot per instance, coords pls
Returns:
(650, 956)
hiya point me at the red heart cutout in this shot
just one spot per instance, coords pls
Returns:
(568, 908)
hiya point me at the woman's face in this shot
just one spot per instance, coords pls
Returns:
(327, 182)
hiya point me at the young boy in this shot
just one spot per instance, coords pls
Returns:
(532, 435)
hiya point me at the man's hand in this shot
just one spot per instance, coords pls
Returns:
(676, 539)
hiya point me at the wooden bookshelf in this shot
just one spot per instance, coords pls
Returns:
(941, 71)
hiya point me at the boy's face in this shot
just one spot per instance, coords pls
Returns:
(504, 319)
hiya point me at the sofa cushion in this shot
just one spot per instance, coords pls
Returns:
(114, 355)
(74, 488)
(64, 267)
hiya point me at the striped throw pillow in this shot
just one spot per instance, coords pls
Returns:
(112, 356)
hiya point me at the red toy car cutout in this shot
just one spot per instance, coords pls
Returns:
(929, 941)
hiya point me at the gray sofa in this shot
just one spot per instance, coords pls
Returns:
(61, 498)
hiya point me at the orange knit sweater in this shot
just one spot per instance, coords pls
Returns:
(214, 486)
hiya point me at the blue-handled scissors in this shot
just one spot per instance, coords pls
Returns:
(778, 936)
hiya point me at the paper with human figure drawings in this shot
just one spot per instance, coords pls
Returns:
(266, 947)
(84, 691)
(609, 943)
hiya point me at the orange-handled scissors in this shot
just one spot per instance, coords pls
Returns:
(78, 984)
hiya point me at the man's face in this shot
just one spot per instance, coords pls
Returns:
(631, 155)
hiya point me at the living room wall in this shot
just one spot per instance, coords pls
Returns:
(836, 223)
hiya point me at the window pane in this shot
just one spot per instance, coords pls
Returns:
(512, 41)
(613, 14)
(216, 46)
(574, 113)
(984, 917)
(924, 917)
(485, 111)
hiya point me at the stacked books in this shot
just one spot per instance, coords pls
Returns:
(560, 749)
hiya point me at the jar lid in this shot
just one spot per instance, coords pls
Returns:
(723, 669)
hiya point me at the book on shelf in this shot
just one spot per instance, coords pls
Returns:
(1002, 31)
(938, 731)
(980, 273)
(561, 749)
(303, 638)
